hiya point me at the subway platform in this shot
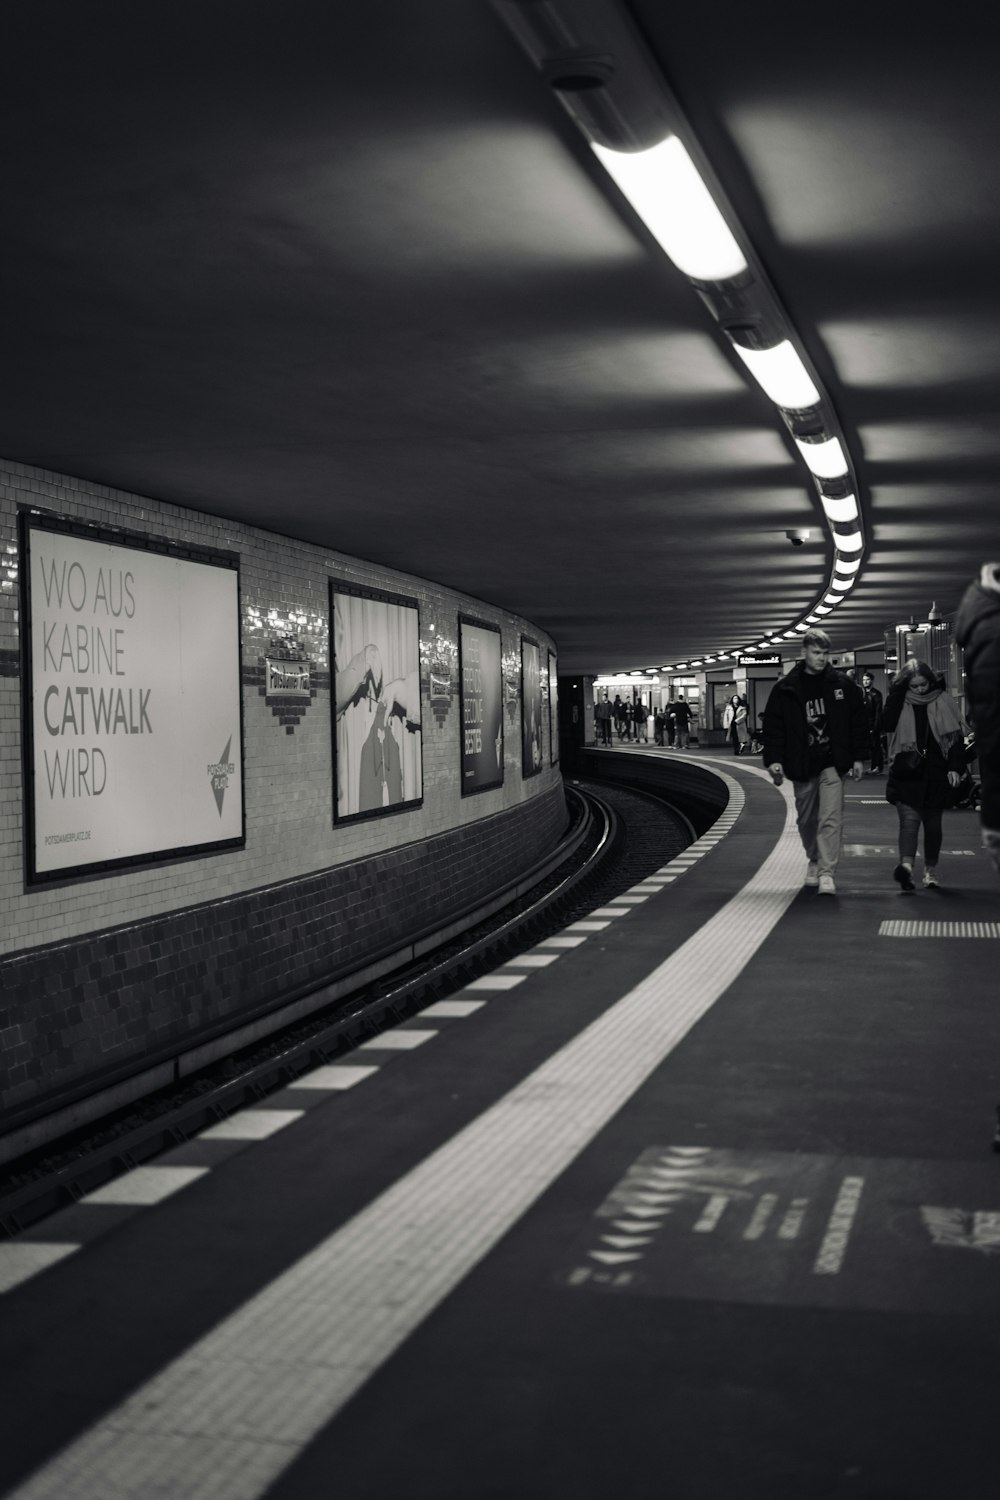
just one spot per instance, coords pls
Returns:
(695, 1199)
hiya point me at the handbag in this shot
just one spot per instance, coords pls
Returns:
(908, 765)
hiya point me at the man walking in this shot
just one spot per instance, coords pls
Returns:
(977, 631)
(873, 709)
(602, 713)
(815, 731)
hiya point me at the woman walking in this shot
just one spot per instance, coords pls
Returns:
(734, 722)
(926, 759)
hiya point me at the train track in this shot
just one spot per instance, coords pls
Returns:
(619, 836)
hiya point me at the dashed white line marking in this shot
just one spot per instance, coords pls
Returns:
(609, 911)
(497, 982)
(251, 1125)
(838, 1230)
(588, 926)
(398, 1041)
(563, 940)
(456, 1008)
(336, 1076)
(531, 961)
(793, 1219)
(145, 1185)
(21, 1260)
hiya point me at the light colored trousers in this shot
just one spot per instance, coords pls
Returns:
(819, 806)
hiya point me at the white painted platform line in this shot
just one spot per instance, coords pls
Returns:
(531, 961)
(609, 911)
(458, 1009)
(900, 929)
(588, 926)
(561, 940)
(398, 1041)
(22, 1259)
(225, 1418)
(763, 1209)
(335, 1076)
(711, 1213)
(251, 1125)
(497, 982)
(145, 1185)
(630, 899)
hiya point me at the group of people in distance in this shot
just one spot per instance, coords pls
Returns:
(819, 726)
(671, 724)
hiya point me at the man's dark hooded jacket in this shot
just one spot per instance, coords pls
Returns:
(786, 737)
(977, 630)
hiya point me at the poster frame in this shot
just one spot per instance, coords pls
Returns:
(490, 786)
(380, 596)
(553, 660)
(32, 519)
(527, 772)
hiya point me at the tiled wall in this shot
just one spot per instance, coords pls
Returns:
(407, 862)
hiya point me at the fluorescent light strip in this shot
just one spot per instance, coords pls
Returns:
(781, 375)
(841, 512)
(825, 460)
(853, 542)
(666, 190)
(847, 565)
(843, 584)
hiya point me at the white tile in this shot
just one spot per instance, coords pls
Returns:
(335, 1076)
(251, 1125)
(398, 1041)
(20, 1260)
(456, 1008)
(531, 961)
(496, 982)
(145, 1185)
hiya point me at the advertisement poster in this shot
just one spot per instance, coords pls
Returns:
(135, 741)
(480, 669)
(531, 708)
(553, 711)
(377, 746)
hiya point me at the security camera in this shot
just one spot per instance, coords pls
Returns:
(798, 538)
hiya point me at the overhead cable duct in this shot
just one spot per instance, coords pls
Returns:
(593, 58)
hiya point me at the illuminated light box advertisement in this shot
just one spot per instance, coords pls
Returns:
(134, 738)
(553, 711)
(377, 744)
(481, 697)
(531, 708)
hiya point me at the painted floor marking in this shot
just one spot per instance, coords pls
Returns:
(496, 982)
(900, 929)
(251, 1125)
(335, 1076)
(402, 1041)
(562, 940)
(318, 1332)
(609, 911)
(890, 851)
(532, 960)
(588, 926)
(458, 1009)
(145, 1185)
(711, 1213)
(956, 1229)
(838, 1231)
(763, 1209)
(20, 1260)
(793, 1220)
(632, 899)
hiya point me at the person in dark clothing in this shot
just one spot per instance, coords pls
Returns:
(734, 722)
(977, 631)
(873, 709)
(602, 714)
(926, 757)
(659, 724)
(682, 722)
(815, 731)
(639, 718)
(670, 727)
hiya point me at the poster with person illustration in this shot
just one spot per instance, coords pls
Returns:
(531, 708)
(481, 692)
(377, 745)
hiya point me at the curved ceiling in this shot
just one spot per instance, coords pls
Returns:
(351, 274)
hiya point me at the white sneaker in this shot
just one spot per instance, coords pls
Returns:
(930, 879)
(827, 886)
(812, 873)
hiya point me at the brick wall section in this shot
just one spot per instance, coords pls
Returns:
(89, 1008)
(75, 1012)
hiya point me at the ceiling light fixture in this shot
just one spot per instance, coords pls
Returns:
(781, 375)
(840, 512)
(825, 459)
(853, 541)
(665, 189)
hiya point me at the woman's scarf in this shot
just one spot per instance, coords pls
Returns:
(943, 720)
